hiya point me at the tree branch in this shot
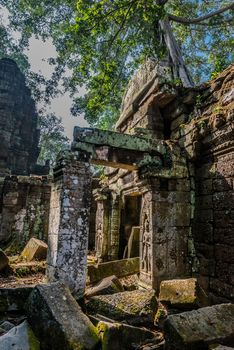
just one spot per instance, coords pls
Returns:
(161, 2)
(183, 20)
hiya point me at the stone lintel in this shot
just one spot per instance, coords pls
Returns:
(119, 150)
(117, 140)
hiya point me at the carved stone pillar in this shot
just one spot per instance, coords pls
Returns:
(164, 231)
(146, 233)
(69, 224)
(102, 227)
(114, 227)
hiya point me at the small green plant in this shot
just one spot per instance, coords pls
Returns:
(217, 109)
(198, 102)
(182, 126)
(201, 124)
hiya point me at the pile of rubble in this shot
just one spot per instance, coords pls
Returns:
(112, 316)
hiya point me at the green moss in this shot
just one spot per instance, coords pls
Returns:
(33, 341)
(22, 271)
(14, 248)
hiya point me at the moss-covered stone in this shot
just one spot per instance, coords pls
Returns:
(197, 329)
(182, 294)
(136, 307)
(58, 321)
(117, 336)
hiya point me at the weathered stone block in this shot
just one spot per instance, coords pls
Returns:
(58, 321)
(20, 338)
(205, 249)
(224, 235)
(222, 289)
(204, 187)
(203, 232)
(204, 202)
(223, 200)
(204, 215)
(223, 252)
(182, 294)
(35, 250)
(108, 285)
(206, 266)
(198, 329)
(119, 268)
(119, 336)
(220, 185)
(136, 307)
(223, 218)
(168, 214)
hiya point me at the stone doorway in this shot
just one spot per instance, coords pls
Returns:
(130, 226)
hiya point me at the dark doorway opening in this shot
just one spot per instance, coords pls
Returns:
(130, 227)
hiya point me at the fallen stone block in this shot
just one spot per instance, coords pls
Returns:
(119, 268)
(119, 336)
(6, 325)
(13, 299)
(136, 307)
(4, 261)
(108, 285)
(20, 338)
(58, 321)
(35, 249)
(197, 329)
(182, 294)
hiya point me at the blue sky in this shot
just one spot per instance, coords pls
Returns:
(38, 54)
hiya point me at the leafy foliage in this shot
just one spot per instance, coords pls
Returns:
(52, 139)
(103, 41)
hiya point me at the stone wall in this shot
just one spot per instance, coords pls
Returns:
(18, 122)
(24, 210)
(187, 215)
(202, 120)
(214, 175)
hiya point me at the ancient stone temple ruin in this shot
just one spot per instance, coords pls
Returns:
(161, 212)
(166, 195)
(24, 199)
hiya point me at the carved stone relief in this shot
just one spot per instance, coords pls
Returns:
(146, 240)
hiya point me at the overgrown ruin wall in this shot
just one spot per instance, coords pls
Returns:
(204, 126)
(189, 212)
(24, 199)
(24, 210)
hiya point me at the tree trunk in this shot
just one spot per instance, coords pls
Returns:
(179, 68)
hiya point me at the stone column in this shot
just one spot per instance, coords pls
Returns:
(114, 227)
(102, 227)
(171, 212)
(69, 224)
(164, 232)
